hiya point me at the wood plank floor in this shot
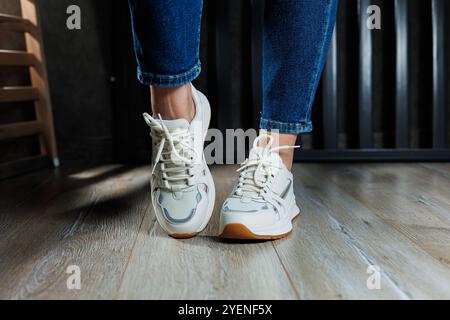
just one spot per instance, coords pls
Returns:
(395, 217)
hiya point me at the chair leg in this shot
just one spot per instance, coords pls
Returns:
(39, 80)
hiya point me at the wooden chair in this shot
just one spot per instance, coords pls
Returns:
(38, 92)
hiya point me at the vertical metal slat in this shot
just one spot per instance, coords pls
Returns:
(439, 112)
(226, 115)
(257, 57)
(365, 78)
(402, 75)
(330, 96)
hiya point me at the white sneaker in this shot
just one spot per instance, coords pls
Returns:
(183, 191)
(262, 204)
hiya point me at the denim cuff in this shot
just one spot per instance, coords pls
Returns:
(286, 127)
(161, 80)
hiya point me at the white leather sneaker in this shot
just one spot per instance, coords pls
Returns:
(182, 186)
(262, 204)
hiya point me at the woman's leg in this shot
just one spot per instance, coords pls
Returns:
(166, 36)
(297, 35)
(296, 40)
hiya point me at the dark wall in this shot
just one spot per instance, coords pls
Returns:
(79, 67)
(99, 120)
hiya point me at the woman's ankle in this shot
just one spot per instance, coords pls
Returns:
(283, 139)
(173, 102)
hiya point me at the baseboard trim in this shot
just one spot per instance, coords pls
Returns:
(365, 155)
(19, 167)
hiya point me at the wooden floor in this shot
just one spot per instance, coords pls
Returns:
(393, 216)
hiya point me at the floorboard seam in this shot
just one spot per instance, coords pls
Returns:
(352, 242)
(291, 282)
(43, 208)
(83, 214)
(34, 189)
(399, 231)
(37, 187)
(122, 276)
(441, 172)
(366, 258)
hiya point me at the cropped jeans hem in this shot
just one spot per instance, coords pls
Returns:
(286, 127)
(162, 80)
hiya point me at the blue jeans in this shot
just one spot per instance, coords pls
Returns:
(297, 35)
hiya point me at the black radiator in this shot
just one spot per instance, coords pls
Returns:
(383, 95)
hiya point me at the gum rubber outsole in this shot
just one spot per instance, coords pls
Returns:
(182, 236)
(237, 231)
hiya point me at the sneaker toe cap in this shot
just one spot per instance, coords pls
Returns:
(250, 213)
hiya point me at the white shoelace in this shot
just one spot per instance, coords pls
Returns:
(256, 174)
(176, 154)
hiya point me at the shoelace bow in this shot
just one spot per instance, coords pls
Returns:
(255, 173)
(172, 148)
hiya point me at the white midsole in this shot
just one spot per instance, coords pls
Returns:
(282, 227)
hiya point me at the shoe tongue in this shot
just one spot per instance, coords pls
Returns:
(172, 126)
(257, 152)
(175, 124)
